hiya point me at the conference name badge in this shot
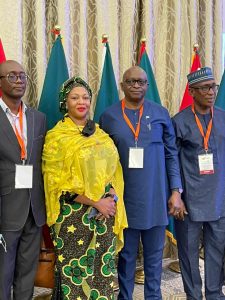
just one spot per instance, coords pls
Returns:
(136, 158)
(24, 177)
(205, 162)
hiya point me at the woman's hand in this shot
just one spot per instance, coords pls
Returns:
(112, 191)
(106, 207)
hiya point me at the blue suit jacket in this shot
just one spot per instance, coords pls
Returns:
(204, 195)
(146, 190)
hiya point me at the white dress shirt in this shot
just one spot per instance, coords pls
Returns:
(14, 120)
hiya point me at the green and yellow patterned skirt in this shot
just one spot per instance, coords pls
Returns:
(85, 250)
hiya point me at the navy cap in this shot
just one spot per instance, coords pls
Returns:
(203, 74)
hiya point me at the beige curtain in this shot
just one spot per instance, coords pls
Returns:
(170, 26)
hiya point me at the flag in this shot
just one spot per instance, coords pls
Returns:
(2, 54)
(2, 58)
(196, 64)
(108, 93)
(144, 62)
(220, 98)
(56, 74)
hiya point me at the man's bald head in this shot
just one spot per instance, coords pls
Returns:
(132, 70)
(9, 64)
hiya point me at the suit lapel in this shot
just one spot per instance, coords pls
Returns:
(7, 129)
(30, 132)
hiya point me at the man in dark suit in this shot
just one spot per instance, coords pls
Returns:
(22, 132)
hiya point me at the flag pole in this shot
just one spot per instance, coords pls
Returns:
(56, 31)
(142, 49)
(152, 93)
(196, 47)
(56, 74)
(108, 91)
(104, 41)
(195, 65)
(104, 38)
(196, 53)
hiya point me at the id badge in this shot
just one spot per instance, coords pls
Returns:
(136, 158)
(24, 177)
(205, 162)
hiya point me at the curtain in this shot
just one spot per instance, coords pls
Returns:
(171, 27)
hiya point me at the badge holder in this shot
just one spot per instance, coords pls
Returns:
(136, 158)
(205, 162)
(24, 176)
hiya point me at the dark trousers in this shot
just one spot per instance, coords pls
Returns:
(18, 265)
(153, 242)
(188, 236)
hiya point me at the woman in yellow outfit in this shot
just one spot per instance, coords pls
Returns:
(83, 181)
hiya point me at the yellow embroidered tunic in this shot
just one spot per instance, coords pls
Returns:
(81, 165)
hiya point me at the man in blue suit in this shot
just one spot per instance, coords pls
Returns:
(145, 139)
(201, 144)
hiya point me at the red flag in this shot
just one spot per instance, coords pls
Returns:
(2, 54)
(187, 99)
(2, 57)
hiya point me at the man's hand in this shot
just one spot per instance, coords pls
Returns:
(176, 206)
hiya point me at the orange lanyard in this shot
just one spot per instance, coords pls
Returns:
(20, 137)
(209, 128)
(137, 131)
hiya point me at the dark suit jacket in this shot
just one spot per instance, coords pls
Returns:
(15, 203)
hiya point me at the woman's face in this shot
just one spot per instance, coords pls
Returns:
(78, 103)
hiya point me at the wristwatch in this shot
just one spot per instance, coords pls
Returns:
(115, 198)
(179, 190)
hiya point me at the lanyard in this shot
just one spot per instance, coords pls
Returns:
(20, 137)
(137, 131)
(209, 128)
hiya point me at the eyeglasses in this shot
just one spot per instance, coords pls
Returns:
(13, 78)
(131, 82)
(206, 88)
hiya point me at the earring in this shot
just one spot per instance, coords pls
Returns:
(63, 107)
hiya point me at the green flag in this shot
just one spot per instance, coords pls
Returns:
(108, 93)
(56, 74)
(152, 91)
(220, 99)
